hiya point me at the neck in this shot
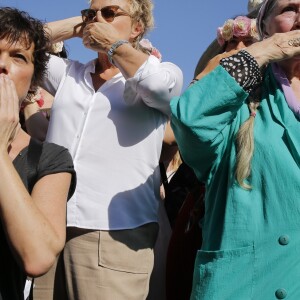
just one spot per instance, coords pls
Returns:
(20, 141)
(104, 71)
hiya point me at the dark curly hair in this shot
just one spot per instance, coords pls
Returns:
(19, 26)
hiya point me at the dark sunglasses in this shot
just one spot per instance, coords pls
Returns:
(107, 12)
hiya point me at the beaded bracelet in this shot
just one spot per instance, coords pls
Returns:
(244, 69)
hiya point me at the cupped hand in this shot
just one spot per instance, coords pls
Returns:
(9, 112)
(100, 35)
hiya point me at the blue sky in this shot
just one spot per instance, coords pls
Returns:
(183, 29)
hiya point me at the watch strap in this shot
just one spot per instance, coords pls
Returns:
(113, 48)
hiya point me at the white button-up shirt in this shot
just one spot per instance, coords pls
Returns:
(114, 136)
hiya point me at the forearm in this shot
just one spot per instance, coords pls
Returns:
(64, 29)
(275, 48)
(33, 241)
(169, 137)
(128, 60)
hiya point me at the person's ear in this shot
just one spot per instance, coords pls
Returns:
(136, 30)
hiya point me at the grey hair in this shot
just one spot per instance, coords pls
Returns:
(264, 12)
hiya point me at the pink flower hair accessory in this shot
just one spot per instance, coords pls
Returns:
(146, 44)
(241, 26)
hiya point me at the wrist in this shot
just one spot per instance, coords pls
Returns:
(261, 57)
(113, 48)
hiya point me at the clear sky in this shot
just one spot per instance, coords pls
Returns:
(183, 29)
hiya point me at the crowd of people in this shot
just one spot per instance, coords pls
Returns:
(116, 184)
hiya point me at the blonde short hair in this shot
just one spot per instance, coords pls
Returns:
(142, 11)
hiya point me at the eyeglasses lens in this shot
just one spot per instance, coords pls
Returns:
(108, 13)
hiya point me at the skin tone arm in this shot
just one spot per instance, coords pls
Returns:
(269, 50)
(34, 225)
(35, 121)
(275, 48)
(65, 29)
(214, 62)
(169, 137)
(104, 35)
(169, 147)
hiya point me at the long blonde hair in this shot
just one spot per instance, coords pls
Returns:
(245, 143)
(245, 135)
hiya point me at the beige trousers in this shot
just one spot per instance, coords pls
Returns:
(104, 265)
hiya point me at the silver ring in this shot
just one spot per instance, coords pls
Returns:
(294, 42)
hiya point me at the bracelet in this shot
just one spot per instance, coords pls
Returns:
(113, 48)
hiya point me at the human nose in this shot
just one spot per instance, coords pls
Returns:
(297, 21)
(3, 64)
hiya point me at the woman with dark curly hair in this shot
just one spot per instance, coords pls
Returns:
(35, 177)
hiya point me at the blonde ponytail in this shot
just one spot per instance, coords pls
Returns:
(245, 147)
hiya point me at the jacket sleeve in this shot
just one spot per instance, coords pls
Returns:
(155, 84)
(204, 119)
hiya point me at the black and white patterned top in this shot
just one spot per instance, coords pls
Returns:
(244, 69)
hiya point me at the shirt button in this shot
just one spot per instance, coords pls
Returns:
(284, 240)
(280, 293)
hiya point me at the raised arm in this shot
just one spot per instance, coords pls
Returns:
(34, 224)
(202, 118)
(277, 48)
(65, 29)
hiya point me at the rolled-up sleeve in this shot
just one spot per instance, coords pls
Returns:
(155, 84)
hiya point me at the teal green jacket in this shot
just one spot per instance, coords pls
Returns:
(251, 238)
